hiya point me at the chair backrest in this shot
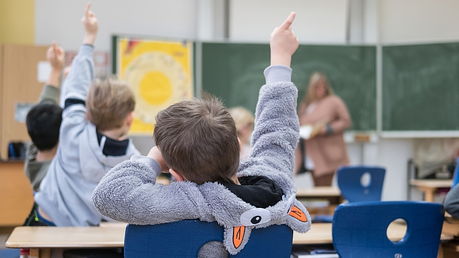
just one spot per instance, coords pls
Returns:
(185, 238)
(456, 174)
(361, 183)
(360, 229)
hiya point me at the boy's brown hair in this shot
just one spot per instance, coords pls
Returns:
(108, 103)
(198, 139)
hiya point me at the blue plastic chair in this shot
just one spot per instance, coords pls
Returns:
(9, 253)
(185, 238)
(359, 229)
(456, 174)
(349, 182)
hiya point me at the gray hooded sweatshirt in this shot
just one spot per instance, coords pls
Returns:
(79, 164)
(129, 191)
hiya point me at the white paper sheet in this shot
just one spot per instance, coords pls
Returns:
(43, 71)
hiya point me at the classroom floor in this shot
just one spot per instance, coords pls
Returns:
(4, 233)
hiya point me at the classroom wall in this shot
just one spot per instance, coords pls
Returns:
(322, 21)
(60, 20)
(385, 21)
(418, 21)
(17, 22)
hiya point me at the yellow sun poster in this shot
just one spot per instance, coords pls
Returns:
(159, 73)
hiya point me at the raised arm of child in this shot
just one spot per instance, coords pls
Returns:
(79, 80)
(283, 43)
(55, 56)
(76, 87)
(82, 73)
(276, 131)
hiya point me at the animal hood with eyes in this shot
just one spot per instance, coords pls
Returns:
(239, 218)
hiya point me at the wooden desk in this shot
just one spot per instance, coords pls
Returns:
(40, 240)
(429, 187)
(16, 194)
(330, 194)
(318, 192)
(321, 233)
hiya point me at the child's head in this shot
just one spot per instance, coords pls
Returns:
(198, 139)
(43, 123)
(244, 123)
(109, 103)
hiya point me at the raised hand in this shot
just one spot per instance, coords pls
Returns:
(283, 43)
(156, 154)
(55, 56)
(90, 25)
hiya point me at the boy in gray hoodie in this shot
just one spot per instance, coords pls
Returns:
(197, 143)
(95, 123)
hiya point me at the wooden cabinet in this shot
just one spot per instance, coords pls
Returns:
(16, 194)
(18, 84)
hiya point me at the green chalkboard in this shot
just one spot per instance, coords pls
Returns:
(234, 72)
(420, 87)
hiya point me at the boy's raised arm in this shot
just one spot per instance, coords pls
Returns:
(82, 73)
(55, 56)
(90, 26)
(283, 42)
(276, 130)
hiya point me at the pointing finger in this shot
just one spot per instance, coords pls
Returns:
(86, 12)
(54, 47)
(59, 50)
(287, 23)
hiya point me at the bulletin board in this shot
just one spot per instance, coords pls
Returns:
(160, 73)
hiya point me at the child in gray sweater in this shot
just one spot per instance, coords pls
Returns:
(197, 143)
(93, 139)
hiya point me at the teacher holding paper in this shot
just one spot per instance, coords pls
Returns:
(323, 119)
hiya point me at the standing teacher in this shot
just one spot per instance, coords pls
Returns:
(328, 118)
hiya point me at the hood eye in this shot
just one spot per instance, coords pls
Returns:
(255, 216)
(256, 220)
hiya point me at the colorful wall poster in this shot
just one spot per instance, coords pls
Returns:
(160, 74)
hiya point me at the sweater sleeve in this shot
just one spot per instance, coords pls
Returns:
(129, 193)
(49, 93)
(276, 131)
(80, 76)
(76, 88)
(452, 202)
